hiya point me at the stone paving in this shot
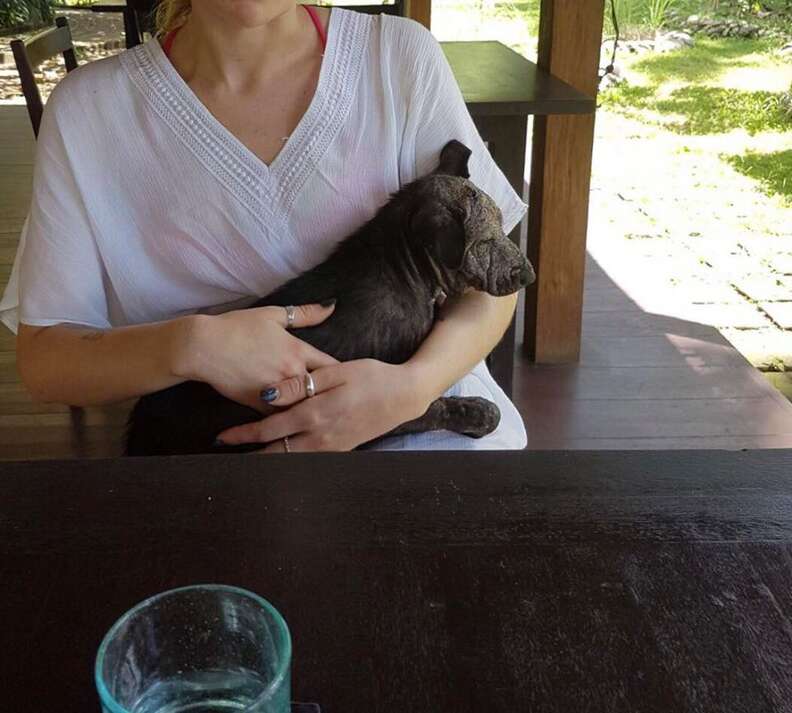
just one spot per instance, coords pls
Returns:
(682, 238)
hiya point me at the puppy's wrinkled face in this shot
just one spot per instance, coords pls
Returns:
(461, 228)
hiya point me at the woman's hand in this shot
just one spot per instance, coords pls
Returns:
(355, 402)
(240, 352)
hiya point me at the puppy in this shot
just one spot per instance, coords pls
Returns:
(436, 238)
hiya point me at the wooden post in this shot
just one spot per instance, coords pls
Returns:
(419, 10)
(570, 34)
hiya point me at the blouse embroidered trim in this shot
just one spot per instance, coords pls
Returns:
(326, 115)
(198, 130)
(255, 184)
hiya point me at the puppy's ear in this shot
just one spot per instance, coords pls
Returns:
(454, 160)
(441, 232)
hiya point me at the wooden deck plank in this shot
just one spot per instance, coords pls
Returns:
(729, 443)
(570, 419)
(608, 300)
(665, 350)
(637, 323)
(638, 383)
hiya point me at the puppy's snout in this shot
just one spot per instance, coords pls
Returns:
(523, 274)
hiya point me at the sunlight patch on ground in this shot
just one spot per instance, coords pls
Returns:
(764, 78)
(666, 89)
(678, 228)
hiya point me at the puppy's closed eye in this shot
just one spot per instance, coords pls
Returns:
(442, 232)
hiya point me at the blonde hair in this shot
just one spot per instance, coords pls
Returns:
(170, 15)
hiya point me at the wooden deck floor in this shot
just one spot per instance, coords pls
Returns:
(646, 380)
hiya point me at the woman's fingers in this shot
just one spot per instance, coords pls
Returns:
(314, 359)
(297, 444)
(290, 391)
(284, 423)
(304, 315)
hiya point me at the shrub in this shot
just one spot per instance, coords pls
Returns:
(656, 12)
(24, 13)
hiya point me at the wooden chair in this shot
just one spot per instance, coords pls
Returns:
(29, 54)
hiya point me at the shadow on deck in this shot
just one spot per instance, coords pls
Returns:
(647, 380)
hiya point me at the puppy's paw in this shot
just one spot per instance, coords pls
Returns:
(472, 415)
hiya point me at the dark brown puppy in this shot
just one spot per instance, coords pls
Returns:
(436, 237)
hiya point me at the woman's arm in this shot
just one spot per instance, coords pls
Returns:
(470, 328)
(358, 401)
(82, 366)
(238, 353)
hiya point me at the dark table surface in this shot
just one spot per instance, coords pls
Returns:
(496, 80)
(424, 582)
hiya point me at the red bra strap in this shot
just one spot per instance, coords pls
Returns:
(167, 43)
(318, 24)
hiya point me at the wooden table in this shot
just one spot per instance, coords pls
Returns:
(441, 582)
(502, 89)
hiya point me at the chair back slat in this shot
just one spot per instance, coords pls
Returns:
(44, 45)
(29, 54)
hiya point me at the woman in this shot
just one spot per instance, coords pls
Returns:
(178, 181)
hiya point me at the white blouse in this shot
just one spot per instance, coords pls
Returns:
(146, 208)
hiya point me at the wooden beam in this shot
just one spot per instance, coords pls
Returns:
(570, 34)
(420, 11)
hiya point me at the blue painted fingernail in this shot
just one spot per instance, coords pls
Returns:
(218, 442)
(270, 394)
(328, 303)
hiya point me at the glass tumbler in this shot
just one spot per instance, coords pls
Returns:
(204, 649)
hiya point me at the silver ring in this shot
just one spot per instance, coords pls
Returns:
(310, 386)
(289, 316)
(286, 446)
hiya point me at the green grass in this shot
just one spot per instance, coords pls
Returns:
(699, 111)
(681, 92)
(707, 60)
(715, 87)
(772, 170)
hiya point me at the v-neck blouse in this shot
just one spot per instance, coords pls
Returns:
(146, 208)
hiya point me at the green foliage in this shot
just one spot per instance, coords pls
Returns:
(785, 105)
(656, 12)
(641, 17)
(24, 13)
(772, 170)
(636, 17)
(627, 14)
